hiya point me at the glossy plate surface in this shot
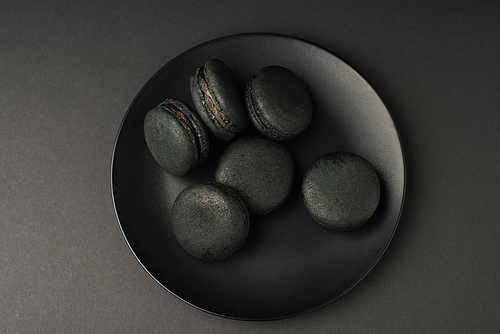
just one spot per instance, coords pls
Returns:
(289, 265)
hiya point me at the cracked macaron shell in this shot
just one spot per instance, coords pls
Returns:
(341, 191)
(278, 103)
(218, 99)
(176, 137)
(210, 221)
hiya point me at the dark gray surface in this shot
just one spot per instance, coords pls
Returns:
(68, 72)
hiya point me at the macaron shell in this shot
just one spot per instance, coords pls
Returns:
(176, 146)
(201, 107)
(169, 142)
(258, 169)
(210, 221)
(278, 102)
(341, 191)
(227, 94)
(200, 133)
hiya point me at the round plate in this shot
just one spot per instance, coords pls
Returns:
(289, 264)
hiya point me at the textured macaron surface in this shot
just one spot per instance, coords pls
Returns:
(258, 169)
(210, 221)
(175, 137)
(341, 191)
(218, 98)
(278, 103)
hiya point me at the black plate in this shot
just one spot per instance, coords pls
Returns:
(289, 264)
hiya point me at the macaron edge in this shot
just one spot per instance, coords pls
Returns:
(241, 208)
(255, 115)
(204, 111)
(311, 211)
(197, 133)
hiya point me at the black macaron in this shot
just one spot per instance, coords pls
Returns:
(278, 103)
(176, 137)
(341, 191)
(210, 221)
(260, 170)
(218, 99)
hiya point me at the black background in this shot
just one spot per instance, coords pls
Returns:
(70, 69)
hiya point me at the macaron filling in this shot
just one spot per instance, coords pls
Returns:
(198, 154)
(181, 115)
(210, 101)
